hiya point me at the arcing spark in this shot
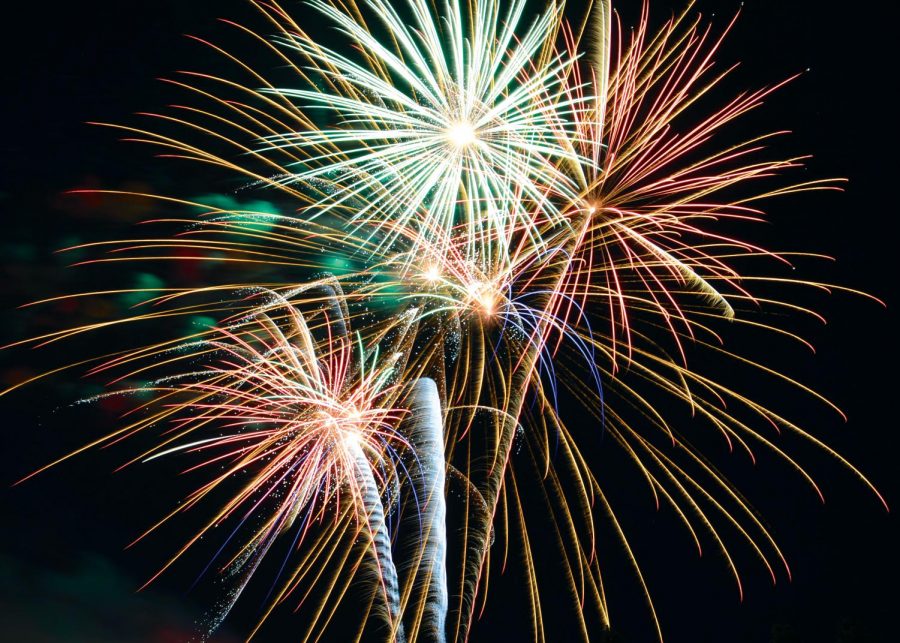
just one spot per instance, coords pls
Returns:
(297, 411)
(314, 426)
(464, 117)
(654, 185)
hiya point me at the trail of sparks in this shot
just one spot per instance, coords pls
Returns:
(520, 223)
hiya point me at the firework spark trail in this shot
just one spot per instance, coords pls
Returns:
(513, 198)
(521, 379)
(294, 410)
(464, 126)
(645, 191)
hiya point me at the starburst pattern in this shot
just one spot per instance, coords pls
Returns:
(525, 229)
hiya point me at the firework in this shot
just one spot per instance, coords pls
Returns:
(518, 222)
(465, 115)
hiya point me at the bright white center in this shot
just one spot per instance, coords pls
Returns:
(351, 438)
(433, 273)
(461, 134)
(483, 296)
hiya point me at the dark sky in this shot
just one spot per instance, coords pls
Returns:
(63, 574)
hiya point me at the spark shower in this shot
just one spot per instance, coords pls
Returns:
(498, 239)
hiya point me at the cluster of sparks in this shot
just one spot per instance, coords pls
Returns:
(537, 217)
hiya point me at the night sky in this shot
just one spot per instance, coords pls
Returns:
(63, 573)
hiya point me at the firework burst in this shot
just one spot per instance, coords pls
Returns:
(524, 224)
(461, 122)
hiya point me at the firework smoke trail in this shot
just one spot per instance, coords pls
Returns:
(426, 435)
(381, 539)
